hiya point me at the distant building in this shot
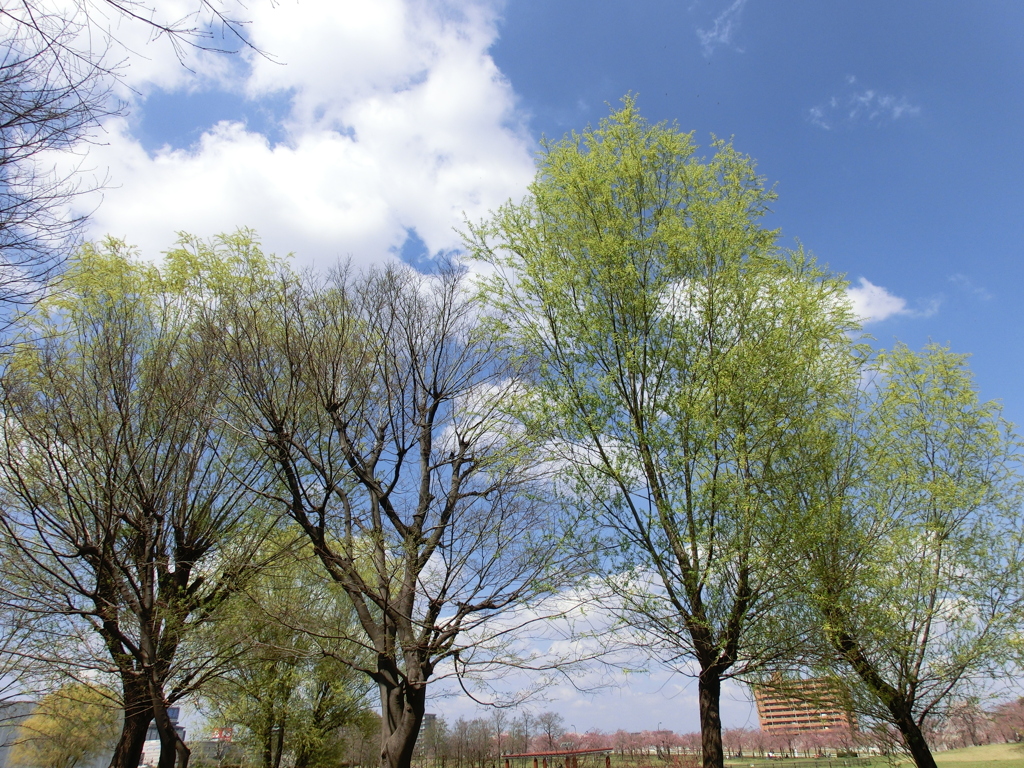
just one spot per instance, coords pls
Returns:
(792, 706)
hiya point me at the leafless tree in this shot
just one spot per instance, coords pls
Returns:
(377, 400)
(525, 724)
(500, 722)
(207, 25)
(58, 63)
(50, 99)
(551, 726)
(129, 509)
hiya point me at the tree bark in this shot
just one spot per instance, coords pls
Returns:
(709, 691)
(268, 746)
(173, 750)
(403, 708)
(128, 752)
(898, 704)
(915, 742)
(279, 749)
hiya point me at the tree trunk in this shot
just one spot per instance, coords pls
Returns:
(167, 751)
(184, 753)
(268, 743)
(915, 742)
(128, 752)
(899, 706)
(172, 748)
(709, 691)
(403, 706)
(279, 749)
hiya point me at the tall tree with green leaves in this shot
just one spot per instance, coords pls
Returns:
(681, 356)
(131, 508)
(913, 557)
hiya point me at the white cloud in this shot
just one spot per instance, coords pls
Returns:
(626, 689)
(856, 105)
(399, 120)
(873, 303)
(722, 29)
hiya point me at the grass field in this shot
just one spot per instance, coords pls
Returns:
(988, 756)
(987, 753)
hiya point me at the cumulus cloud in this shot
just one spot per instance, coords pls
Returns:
(873, 303)
(855, 104)
(722, 28)
(399, 123)
(618, 692)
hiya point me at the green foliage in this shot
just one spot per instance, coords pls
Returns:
(71, 727)
(224, 265)
(292, 691)
(102, 279)
(915, 562)
(132, 508)
(683, 363)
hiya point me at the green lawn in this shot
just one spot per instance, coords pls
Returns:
(988, 756)
(809, 762)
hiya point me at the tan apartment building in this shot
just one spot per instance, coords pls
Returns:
(801, 705)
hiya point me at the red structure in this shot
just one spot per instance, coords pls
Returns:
(572, 756)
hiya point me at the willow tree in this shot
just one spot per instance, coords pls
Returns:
(914, 567)
(682, 357)
(288, 690)
(378, 403)
(72, 726)
(131, 510)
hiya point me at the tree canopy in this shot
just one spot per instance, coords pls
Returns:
(376, 403)
(682, 360)
(913, 555)
(131, 507)
(377, 478)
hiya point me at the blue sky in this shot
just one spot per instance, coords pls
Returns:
(892, 132)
